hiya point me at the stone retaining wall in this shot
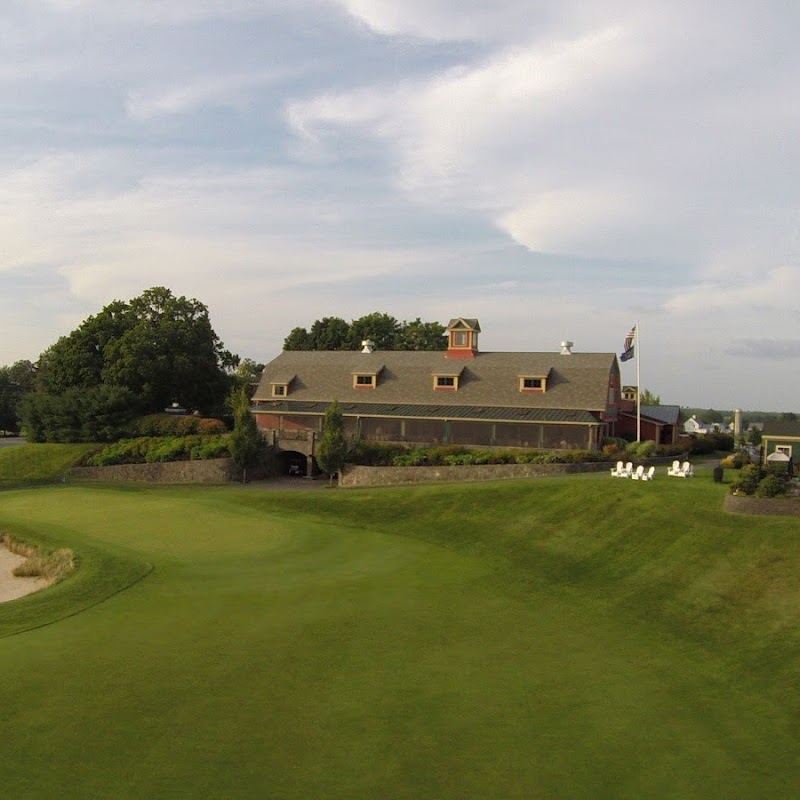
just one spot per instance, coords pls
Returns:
(217, 470)
(391, 476)
(767, 506)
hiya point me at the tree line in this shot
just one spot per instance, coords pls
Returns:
(334, 333)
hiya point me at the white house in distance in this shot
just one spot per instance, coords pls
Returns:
(694, 426)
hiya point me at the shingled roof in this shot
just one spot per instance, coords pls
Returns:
(577, 382)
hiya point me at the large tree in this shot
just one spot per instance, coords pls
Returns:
(16, 382)
(419, 335)
(379, 328)
(160, 347)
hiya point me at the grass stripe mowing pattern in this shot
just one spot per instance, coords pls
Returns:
(574, 638)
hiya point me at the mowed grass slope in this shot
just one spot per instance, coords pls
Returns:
(29, 464)
(552, 638)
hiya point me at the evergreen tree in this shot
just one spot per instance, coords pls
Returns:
(246, 444)
(332, 450)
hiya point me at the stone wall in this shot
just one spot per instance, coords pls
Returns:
(217, 470)
(388, 476)
(767, 506)
(391, 476)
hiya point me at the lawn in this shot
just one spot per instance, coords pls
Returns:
(580, 638)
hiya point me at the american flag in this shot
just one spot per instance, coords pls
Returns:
(627, 349)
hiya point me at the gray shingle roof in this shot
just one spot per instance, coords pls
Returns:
(781, 427)
(577, 382)
(666, 415)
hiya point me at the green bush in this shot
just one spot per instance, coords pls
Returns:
(149, 450)
(163, 425)
(746, 482)
(216, 447)
(375, 454)
(640, 450)
(771, 486)
(708, 443)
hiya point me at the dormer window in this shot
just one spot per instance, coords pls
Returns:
(533, 383)
(446, 382)
(280, 386)
(366, 377)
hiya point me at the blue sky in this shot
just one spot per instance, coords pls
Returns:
(557, 170)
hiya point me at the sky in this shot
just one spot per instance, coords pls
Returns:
(555, 170)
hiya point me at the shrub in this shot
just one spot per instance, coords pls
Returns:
(735, 460)
(375, 454)
(216, 447)
(771, 486)
(746, 482)
(148, 449)
(640, 450)
(175, 425)
(208, 426)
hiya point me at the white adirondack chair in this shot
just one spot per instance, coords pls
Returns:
(618, 471)
(687, 470)
(675, 469)
(648, 476)
(638, 473)
(628, 470)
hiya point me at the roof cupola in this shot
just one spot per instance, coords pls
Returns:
(462, 338)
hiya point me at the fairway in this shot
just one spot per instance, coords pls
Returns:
(580, 638)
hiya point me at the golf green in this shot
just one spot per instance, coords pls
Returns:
(378, 645)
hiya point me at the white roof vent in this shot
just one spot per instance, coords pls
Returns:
(566, 348)
(368, 346)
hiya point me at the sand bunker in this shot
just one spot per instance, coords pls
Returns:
(12, 587)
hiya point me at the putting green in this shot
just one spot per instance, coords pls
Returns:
(285, 652)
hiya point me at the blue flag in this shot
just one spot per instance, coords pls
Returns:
(627, 349)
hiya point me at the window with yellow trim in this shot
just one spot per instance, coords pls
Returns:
(532, 383)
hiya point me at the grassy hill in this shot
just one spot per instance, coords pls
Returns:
(39, 463)
(574, 637)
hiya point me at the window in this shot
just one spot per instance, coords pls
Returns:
(459, 338)
(279, 390)
(532, 383)
(364, 381)
(786, 449)
(446, 383)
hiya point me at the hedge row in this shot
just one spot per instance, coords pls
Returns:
(152, 449)
(173, 425)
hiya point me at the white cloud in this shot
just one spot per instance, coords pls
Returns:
(777, 290)
(226, 91)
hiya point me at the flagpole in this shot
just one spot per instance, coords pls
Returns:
(638, 385)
